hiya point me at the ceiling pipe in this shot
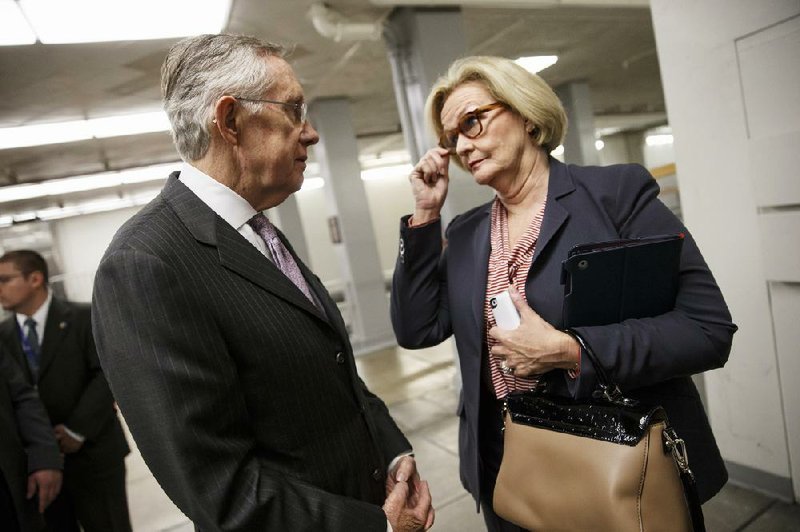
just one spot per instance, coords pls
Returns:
(332, 25)
(513, 3)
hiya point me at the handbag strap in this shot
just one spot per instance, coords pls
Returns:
(608, 389)
(675, 445)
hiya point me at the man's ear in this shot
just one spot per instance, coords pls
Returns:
(225, 119)
(36, 279)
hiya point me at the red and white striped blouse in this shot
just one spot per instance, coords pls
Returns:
(508, 266)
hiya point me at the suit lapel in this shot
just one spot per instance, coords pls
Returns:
(10, 338)
(58, 322)
(238, 255)
(235, 252)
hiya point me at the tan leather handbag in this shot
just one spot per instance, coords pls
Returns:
(607, 464)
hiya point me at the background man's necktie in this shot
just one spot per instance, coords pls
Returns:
(283, 259)
(32, 347)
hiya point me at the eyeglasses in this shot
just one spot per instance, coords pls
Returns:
(299, 110)
(470, 125)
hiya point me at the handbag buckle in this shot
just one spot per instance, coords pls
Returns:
(613, 395)
(677, 447)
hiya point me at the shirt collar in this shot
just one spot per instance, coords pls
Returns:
(40, 316)
(229, 205)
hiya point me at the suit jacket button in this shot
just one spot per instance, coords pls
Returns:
(377, 474)
(340, 358)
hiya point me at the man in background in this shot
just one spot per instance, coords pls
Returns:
(30, 462)
(51, 340)
(229, 359)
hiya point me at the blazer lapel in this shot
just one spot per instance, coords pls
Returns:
(58, 321)
(555, 215)
(235, 252)
(481, 249)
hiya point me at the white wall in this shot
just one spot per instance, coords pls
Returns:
(81, 242)
(708, 93)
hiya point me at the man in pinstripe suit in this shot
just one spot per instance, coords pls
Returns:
(228, 358)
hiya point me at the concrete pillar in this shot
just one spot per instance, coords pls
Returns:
(421, 44)
(730, 76)
(364, 289)
(579, 143)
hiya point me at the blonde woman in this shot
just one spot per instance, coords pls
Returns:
(500, 123)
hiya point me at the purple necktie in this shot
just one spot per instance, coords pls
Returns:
(283, 259)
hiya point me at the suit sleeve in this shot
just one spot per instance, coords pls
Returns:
(95, 408)
(694, 337)
(33, 424)
(185, 407)
(420, 308)
(393, 442)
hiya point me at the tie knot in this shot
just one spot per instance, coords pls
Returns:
(30, 322)
(262, 226)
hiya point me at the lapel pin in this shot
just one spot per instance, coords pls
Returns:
(62, 325)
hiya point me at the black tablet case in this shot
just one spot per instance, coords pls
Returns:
(608, 282)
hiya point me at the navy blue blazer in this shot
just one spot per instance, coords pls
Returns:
(439, 292)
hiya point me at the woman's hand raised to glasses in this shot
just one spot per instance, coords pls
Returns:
(429, 181)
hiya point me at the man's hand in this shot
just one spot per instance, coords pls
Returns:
(67, 443)
(405, 515)
(405, 472)
(48, 483)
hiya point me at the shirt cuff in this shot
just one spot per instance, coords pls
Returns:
(429, 222)
(397, 458)
(75, 435)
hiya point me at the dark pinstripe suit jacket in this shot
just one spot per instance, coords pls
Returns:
(241, 395)
(436, 294)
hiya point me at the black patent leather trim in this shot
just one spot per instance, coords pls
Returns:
(598, 420)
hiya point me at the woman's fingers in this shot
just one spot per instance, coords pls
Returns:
(433, 165)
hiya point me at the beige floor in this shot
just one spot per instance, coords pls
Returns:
(419, 388)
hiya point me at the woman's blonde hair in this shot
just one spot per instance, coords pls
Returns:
(524, 92)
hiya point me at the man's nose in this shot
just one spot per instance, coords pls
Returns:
(309, 135)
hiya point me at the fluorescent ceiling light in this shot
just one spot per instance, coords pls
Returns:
(24, 216)
(95, 206)
(73, 21)
(14, 29)
(6, 221)
(69, 185)
(658, 140)
(100, 128)
(536, 63)
(383, 172)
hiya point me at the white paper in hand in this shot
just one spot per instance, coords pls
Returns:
(504, 311)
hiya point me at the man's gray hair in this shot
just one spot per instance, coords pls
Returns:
(198, 71)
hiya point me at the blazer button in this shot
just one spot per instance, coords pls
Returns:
(340, 358)
(377, 474)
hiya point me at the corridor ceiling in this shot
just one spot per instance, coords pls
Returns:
(611, 48)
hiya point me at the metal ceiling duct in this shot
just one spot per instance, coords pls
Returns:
(514, 3)
(332, 25)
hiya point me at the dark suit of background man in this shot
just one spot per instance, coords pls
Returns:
(51, 340)
(30, 461)
(227, 356)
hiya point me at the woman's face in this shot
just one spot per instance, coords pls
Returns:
(499, 154)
